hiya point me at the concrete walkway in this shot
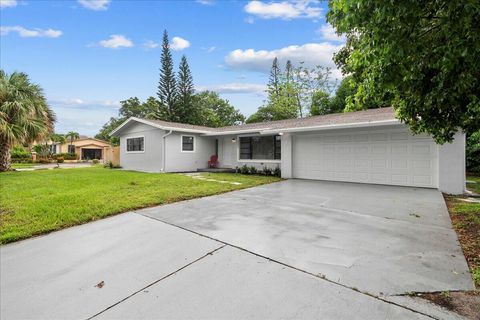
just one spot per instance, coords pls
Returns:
(55, 166)
(294, 249)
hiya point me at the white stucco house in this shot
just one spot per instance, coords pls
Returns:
(369, 146)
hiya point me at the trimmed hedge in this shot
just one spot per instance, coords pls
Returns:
(65, 156)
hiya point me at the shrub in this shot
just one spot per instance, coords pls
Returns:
(66, 156)
(110, 165)
(19, 152)
(472, 151)
(244, 169)
(21, 160)
(43, 160)
(252, 170)
(267, 171)
(60, 160)
(277, 172)
(96, 161)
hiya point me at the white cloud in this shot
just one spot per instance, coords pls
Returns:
(327, 32)
(179, 44)
(254, 88)
(116, 41)
(96, 5)
(286, 10)
(206, 2)
(150, 44)
(77, 102)
(210, 49)
(30, 33)
(8, 3)
(311, 54)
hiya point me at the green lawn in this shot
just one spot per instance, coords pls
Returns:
(22, 165)
(37, 202)
(466, 221)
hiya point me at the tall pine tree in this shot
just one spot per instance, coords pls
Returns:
(167, 87)
(288, 71)
(274, 81)
(184, 108)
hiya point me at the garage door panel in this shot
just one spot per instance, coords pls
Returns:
(375, 156)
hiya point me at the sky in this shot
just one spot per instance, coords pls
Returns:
(88, 55)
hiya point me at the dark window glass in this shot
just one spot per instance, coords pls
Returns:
(135, 144)
(187, 143)
(71, 148)
(260, 148)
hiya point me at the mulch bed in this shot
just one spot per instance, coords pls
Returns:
(465, 303)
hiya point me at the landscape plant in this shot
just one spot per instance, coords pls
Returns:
(24, 114)
(421, 57)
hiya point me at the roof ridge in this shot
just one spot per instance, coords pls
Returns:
(266, 123)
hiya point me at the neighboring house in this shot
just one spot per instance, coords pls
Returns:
(85, 148)
(369, 146)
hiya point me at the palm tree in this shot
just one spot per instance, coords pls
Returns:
(24, 114)
(57, 138)
(72, 135)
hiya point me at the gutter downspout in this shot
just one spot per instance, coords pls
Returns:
(163, 149)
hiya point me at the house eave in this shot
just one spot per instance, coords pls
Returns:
(333, 126)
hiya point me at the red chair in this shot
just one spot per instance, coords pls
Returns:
(213, 162)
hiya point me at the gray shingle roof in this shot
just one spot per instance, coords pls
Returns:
(371, 115)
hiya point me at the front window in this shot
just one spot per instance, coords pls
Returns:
(71, 148)
(188, 143)
(53, 148)
(260, 148)
(135, 144)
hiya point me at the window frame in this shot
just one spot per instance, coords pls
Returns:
(258, 160)
(193, 143)
(134, 137)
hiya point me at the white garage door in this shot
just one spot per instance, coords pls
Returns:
(388, 156)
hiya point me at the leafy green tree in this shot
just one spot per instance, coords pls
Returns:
(321, 103)
(346, 90)
(184, 109)
(107, 128)
(133, 107)
(473, 152)
(212, 111)
(24, 114)
(308, 81)
(279, 107)
(421, 57)
(167, 86)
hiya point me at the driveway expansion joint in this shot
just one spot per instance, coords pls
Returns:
(318, 276)
(210, 253)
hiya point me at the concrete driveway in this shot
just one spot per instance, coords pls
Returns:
(293, 249)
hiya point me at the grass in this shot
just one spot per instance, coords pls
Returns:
(37, 202)
(466, 221)
(474, 187)
(22, 165)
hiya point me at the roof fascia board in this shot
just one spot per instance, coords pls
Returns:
(155, 125)
(334, 126)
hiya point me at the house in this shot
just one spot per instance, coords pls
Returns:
(85, 148)
(369, 146)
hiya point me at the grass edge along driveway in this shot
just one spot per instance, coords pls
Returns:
(38, 202)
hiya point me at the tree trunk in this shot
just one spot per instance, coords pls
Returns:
(5, 158)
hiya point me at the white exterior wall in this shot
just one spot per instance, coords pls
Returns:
(451, 165)
(150, 160)
(287, 154)
(177, 160)
(228, 155)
